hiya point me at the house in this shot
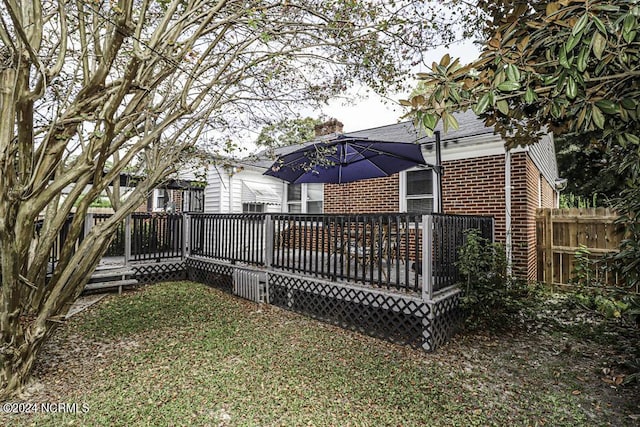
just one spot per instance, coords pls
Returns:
(480, 177)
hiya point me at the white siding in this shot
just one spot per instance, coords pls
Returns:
(217, 182)
(223, 193)
(543, 155)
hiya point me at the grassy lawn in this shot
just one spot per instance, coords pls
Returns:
(185, 354)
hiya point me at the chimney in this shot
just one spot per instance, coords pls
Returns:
(328, 127)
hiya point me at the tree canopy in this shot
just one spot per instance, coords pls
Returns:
(91, 89)
(570, 66)
(287, 132)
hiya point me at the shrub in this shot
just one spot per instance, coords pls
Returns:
(490, 297)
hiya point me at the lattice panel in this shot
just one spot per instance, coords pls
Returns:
(384, 316)
(447, 317)
(211, 274)
(155, 273)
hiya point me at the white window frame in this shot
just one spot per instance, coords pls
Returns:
(403, 189)
(157, 192)
(304, 198)
(262, 209)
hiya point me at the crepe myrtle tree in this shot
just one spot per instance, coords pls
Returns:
(89, 89)
(572, 67)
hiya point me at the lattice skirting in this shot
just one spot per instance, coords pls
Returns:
(211, 274)
(402, 319)
(159, 272)
(447, 317)
(397, 318)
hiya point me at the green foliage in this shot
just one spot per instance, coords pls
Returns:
(587, 269)
(570, 200)
(592, 293)
(569, 67)
(592, 179)
(287, 132)
(490, 298)
(98, 202)
(101, 202)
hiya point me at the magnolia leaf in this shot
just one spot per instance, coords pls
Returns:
(597, 117)
(599, 25)
(630, 36)
(552, 8)
(583, 58)
(513, 73)
(573, 41)
(523, 43)
(503, 107)
(562, 56)
(508, 86)
(599, 43)
(417, 100)
(483, 104)
(581, 117)
(429, 121)
(580, 24)
(572, 88)
(445, 121)
(634, 139)
(445, 60)
(530, 95)
(629, 23)
(628, 103)
(607, 106)
(450, 121)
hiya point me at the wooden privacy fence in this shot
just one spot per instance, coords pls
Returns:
(561, 233)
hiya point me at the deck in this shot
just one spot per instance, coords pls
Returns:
(388, 275)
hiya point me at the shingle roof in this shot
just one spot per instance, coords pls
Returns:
(469, 125)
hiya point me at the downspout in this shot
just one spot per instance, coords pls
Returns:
(439, 170)
(507, 210)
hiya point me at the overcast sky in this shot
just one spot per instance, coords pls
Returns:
(373, 111)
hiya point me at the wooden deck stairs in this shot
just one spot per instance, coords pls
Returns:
(111, 278)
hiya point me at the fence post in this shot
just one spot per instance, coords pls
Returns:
(268, 237)
(88, 224)
(427, 257)
(186, 235)
(548, 247)
(127, 240)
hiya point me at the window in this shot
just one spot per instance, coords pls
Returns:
(252, 207)
(305, 198)
(315, 195)
(294, 198)
(162, 199)
(419, 191)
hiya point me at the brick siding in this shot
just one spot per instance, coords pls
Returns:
(471, 187)
(368, 196)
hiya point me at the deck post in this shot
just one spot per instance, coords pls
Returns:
(127, 240)
(186, 235)
(88, 223)
(427, 257)
(268, 240)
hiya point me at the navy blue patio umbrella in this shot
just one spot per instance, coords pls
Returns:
(346, 159)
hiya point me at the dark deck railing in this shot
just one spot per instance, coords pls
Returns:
(399, 251)
(229, 237)
(56, 249)
(447, 238)
(380, 250)
(374, 249)
(156, 236)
